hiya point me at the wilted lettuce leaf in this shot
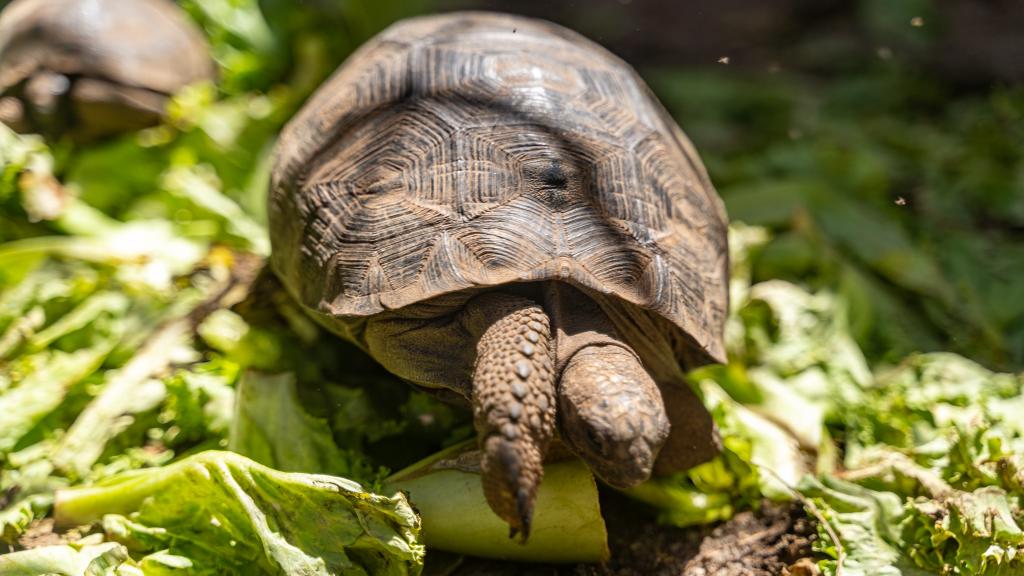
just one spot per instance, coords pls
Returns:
(977, 532)
(27, 484)
(79, 398)
(200, 403)
(224, 512)
(271, 427)
(867, 524)
(125, 393)
(100, 559)
(792, 333)
(446, 490)
(27, 191)
(898, 532)
(92, 557)
(933, 402)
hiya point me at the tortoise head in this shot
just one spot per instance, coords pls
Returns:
(612, 414)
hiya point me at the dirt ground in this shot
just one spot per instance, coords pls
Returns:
(774, 541)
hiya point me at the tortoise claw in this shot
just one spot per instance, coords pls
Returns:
(511, 475)
(524, 506)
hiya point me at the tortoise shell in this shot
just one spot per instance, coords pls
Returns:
(144, 43)
(470, 150)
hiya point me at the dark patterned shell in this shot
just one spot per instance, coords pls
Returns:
(471, 150)
(141, 43)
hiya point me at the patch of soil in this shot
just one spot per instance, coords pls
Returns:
(771, 541)
(40, 533)
(765, 543)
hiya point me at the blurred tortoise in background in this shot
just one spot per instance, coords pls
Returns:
(92, 68)
(499, 210)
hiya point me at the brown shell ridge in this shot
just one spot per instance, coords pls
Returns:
(570, 145)
(308, 135)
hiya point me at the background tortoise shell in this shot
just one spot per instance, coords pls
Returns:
(141, 43)
(472, 150)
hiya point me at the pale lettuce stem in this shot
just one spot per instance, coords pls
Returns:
(125, 494)
(446, 491)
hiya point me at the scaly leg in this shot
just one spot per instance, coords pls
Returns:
(513, 401)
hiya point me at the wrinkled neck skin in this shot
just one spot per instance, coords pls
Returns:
(577, 322)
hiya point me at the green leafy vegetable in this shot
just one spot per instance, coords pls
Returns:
(272, 427)
(222, 511)
(43, 391)
(68, 560)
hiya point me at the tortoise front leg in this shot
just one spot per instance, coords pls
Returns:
(513, 401)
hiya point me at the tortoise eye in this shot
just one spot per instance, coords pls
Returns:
(594, 441)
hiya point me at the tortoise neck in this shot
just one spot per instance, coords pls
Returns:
(577, 322)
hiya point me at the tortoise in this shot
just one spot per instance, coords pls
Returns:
(92, 68)
(497, 209)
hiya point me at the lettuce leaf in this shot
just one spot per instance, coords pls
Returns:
(225, 512)
(100, 559)
(271, 427)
